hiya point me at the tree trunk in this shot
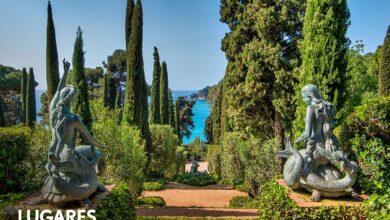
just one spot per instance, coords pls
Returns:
(279, 135)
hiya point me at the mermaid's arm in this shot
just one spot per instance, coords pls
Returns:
(61, 85)
(308, 125)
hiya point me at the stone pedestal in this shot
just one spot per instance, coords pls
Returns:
(12, 212)
(303, 198)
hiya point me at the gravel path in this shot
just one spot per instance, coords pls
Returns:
(189, 201)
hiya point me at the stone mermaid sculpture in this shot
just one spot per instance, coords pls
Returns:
(321, 168)
(72, 170)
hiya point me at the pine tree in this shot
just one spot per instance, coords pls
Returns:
(323, 52)
(31, 115)
(81, 106)
(384, 69)
(2, 118)
(164, 100)
(154, 117)
(171, 109)
(129, 17)
(52, 71)
(23, 91)
(133, 98)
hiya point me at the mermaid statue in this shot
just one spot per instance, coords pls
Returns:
(321, 168)
(72, 170)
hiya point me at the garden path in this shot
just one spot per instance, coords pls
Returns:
(189, 201)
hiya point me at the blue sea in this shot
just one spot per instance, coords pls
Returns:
(201, 111)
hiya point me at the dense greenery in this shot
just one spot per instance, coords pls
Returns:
(275, 204)
(154, 117)
(77, 78)
(31, 115)
(118, 205)
(365, 135)
(164, 98)
(323, 52)
(184, 122)
(250, 162)
(124, 150)
(150, 202)
(52, 71)
(23, 158)
(164, 142)
(14, 143)
(384, 70)
(196, 179)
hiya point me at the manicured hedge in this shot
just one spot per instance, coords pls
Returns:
(151, 202)
(14, 146)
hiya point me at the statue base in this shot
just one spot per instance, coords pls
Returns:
(25, 204)
(303, 198)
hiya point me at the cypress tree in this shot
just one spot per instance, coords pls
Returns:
(78, 78)
(171, 109)
(384, 69)
(105, 86)
(133, 98)
(177, 122)
(164, 100)
(129, 16)
(323, 50)
(154, 117)
(52, 71)
(109, 91)
(23, 91)
(216, 117)
(31, 115)
(2, 118)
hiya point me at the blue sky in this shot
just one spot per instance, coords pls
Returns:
(187, 33)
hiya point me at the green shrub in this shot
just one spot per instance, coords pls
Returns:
(214, 159)
(37, 158)
(196, 149)
(153, 186)
(164, 142)
(274, 203)
(243, 202)
(250, 162)
(241, 188)
(179, 164)
(118, 205)
(231, 166)
(150, 202)
(124, 152)
(377, 207)
(14, 146)
(365, 135)
(196, 179)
